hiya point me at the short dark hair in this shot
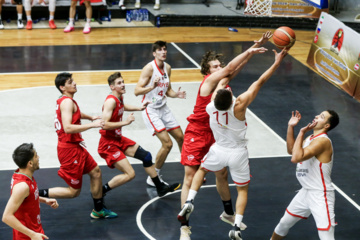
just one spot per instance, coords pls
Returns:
(157, 45)
(223, 99)
(61, 78)
(113, 77)
(23, 154)
(208, 57)
(333, 119)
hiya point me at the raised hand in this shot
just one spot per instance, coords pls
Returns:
(308, 127)
(265, 37)
(294, 120)
(257, 50)
(181, 94)
(280, 56)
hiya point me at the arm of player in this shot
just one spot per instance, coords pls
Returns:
(264, 39)
(88, 117)
(109, 107)
(318, 147)
(19, 192)
(221, 85)
(290, 136)
(67, 108)
(248, 97)
(49, 201)
(145, 77)
(131, 108)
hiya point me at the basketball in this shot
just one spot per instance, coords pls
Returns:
(284, 37)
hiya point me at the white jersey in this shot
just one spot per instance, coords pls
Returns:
(228, 131)
(313, 174)
(157, 96)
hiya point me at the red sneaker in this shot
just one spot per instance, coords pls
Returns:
(52, 24)
(29, 25)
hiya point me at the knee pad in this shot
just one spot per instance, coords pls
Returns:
(144, 156)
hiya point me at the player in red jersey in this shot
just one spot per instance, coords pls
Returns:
(74, 159)
(198, 136)
(114, 147)
(22, 211)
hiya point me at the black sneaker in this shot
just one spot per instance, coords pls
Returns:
(164, 189)
(235, 233)
(185, 212)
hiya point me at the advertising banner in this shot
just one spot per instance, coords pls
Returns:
(335, 53)
(295, 8)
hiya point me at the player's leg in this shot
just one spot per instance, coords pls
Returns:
(157, 5)
(60, 192)
(327, 235)
(1, 23)
(19, 10)
(27, 6)
(127, 175)
(52, 6)
(178, 135)
(282, 229)
(88, 13)
(241, 203)
(166, 145)
(72, 12)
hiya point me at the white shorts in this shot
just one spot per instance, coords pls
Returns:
(314, 202)
(237, 160)
(159, 119)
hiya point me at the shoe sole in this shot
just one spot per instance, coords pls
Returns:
(96, 217)
(184, 215)
(233, 236)
(242, 225)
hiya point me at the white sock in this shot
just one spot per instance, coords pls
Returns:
(19, 16)
(138, 1)
(28, 18)
(157, 171)
(157, 1)
(51, 17)
(71, 22)
(191, 195)
(88, 20)
(121, 2)
(238, 219)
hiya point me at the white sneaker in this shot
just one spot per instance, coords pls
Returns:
(230, 219)
(150, 182)
(137, 5)
(69, 28)
(1, 24)
(156, 6)
(20, 23)
(185, 233)
(87, 28)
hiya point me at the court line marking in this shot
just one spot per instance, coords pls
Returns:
(186, 55)
(346, 196)
(143, 207)
(94, 71)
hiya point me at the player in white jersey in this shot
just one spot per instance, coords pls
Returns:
(314, 158)
(155, 85)
(228, 124)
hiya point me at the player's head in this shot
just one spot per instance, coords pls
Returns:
(211, 62)
(61, 79)
(159, 50)
(24, 154)
(327, 120)
(116, 82)
(333, 119)
(223, 99)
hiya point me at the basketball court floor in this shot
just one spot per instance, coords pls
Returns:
(27, 115)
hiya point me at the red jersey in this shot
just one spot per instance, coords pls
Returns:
(62, 136)
(29, 211)
(115, 117)
(200, 116)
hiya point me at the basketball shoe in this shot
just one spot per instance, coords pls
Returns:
(104, 213)
(164, 189)
(230, 219)
(185, 233)
(235, 233)
(185, 212)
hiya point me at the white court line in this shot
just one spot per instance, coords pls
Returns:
(187, 56)
(346, 196)
(94, 71)
(142, 209)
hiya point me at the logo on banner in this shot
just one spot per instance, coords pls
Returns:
(318, 30)
(356, 67)
(337, 41)
(316, 38)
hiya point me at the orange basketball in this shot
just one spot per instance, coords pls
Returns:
(284, 37)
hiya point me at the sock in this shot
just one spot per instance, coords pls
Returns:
(157, 1)
(121, 2)
(44, 193)
(19, 16)
(51, 17)
(157, 171)
(156, 181)
(28, 18)
(98, 204)
(106, 188)
(71, 21)
(191, 195)
(88, 20)
(228, 207)
(238, 219)
(138, 1)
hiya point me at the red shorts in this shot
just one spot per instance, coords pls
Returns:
(196, 145)
(112, 149)
(75, 161)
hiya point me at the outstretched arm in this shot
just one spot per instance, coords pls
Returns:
(264, 39)
(290, 137)
(248, 97)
